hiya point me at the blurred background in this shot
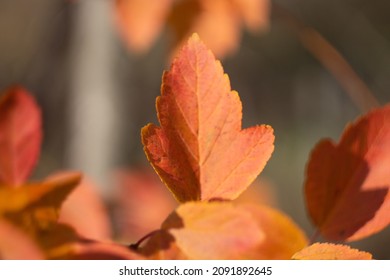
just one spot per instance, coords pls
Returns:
(306, 68)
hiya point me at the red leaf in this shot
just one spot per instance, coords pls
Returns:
(200, 151)
(20, 136)
(327, 251)
(347, 184)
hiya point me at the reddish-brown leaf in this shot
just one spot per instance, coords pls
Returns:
(328, 251)
(200, 151)
(347, 184)
(20, 135)
(141, 21)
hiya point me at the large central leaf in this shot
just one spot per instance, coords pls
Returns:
(200, 151)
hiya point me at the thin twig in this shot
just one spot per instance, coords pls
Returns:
(332, 60)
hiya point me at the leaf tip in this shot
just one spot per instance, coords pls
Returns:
(195, 37)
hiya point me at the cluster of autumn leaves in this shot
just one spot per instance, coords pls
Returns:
(218, 22)
(207, 161)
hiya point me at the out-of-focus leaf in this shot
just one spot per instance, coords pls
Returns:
(20, 135)
(16, 245)
(141, 21)
(49, 193)
(138, 188)
(347, 184)
(86, 212)
(142, 203)
(222, 230)
(328, 251)
(282, 237)
(162, 246)
(34, 208)
(261, 191)
(200, 150)
(218, 22)
(217, 230)
(56, 240)
(254, 13)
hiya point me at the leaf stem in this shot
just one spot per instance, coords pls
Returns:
(136, 245)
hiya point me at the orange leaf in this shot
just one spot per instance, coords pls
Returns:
(255, 13)
(347, 184)
(216, 230)
(222, 230)
(34, 208)
(217, 22)
(56, 240)
(49, 193)
(16, 245)
(328, 251)
(20, 136)
(140, 21)
(200, 151)
(282, 237)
